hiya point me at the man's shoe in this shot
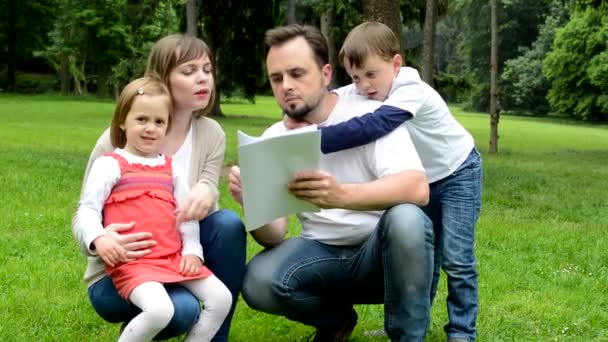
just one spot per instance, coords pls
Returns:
(337, 334)
(457, 339)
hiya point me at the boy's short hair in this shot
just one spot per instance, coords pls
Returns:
(368, 38)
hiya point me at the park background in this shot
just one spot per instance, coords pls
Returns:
(541, 237)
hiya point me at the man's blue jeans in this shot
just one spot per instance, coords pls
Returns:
(224, 246)
(317, 284)
(454, 209)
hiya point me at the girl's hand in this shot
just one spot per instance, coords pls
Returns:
(190, 265)
(196, 204)
(236, 190)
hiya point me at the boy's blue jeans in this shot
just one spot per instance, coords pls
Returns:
(454, 209)
(224, 246)
(317, 284)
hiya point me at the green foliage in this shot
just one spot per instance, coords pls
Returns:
(239, 49)
(523, 85)
(578, 65)
(30, 83)
(452, 87)
(518, 22)
(97, 37)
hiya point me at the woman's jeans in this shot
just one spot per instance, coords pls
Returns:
(454, 209)
(317, 284)
(224, 246)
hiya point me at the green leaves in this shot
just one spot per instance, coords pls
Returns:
(578, 66)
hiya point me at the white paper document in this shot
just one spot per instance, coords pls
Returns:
(267, 165)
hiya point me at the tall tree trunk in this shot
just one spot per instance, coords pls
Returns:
(64, 75)
(192, 17)
(291, 12)
(386, 12)
(327, 24)
(428, 54)
(494, 105)
(103, 73)
(12, 42)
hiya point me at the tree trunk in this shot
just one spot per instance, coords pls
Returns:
(428, 54)
(192, 17)
(386, 12)
(494, 105)
(12, 42)
(291, 12)
(64, 75)
(216, 110)
(103, 73)
(327, 24)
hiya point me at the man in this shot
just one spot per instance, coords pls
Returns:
(351, 252)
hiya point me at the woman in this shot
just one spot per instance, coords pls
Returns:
(197, 144)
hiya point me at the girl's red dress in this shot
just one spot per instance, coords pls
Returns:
(144, 194)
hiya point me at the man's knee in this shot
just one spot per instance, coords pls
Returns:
(407, 223)
(257, 287)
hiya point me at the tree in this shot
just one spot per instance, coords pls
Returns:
(192, 17)
(577, 67)
(11, 33)
(384, 11)
(239, 49)
(518, 24)
(428, 55)
(523, 85)
(494, 107)
(291, 12)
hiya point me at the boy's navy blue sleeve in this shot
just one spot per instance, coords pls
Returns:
(363, 129)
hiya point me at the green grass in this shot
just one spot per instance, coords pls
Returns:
(541, 243)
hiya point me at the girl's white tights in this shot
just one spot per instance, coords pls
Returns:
(157, 310)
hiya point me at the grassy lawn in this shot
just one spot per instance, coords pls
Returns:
(541, 239)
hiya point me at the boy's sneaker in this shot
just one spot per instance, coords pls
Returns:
(338, 334)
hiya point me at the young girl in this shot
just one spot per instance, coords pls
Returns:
(137, 184)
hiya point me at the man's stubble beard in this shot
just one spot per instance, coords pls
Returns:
(307, 108)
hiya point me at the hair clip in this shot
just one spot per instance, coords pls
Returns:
(140, 91)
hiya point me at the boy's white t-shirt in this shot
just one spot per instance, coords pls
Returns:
(391, 154)
(443, 144)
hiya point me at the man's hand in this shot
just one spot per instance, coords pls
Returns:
(196, 204)
(236, 189)
(319, 188)
(190, 265)
(136, 245)
(291, 123)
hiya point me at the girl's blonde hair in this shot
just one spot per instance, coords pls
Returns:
(176, 49)
(145, 86)
(367, 39)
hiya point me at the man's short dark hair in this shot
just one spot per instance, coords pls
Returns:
(312, 35)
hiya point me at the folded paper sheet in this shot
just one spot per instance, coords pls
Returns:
(267, 165)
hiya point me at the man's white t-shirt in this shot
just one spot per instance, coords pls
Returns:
(389, 155)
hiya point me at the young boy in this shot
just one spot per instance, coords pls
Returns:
(372, 58)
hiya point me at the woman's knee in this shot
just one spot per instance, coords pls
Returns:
(225, 222)
(186, 310)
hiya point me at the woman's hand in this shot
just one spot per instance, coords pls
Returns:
(236, 189)
(196, 204)
(115, 249)
(190, 265)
